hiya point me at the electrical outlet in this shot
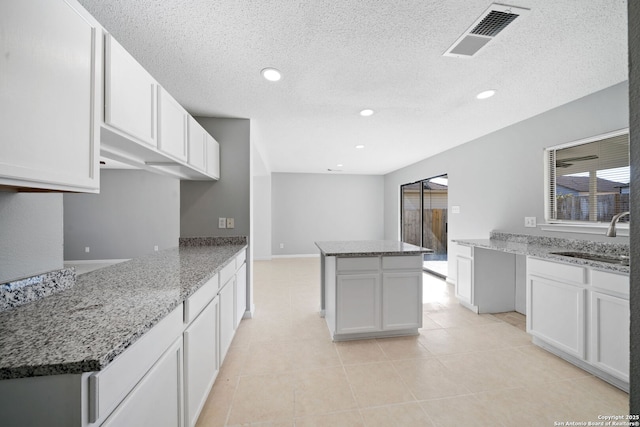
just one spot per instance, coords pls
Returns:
(230, 223)
(281, 245)
(530, 221)
(222, 222)
(155, 248)
(86, 249)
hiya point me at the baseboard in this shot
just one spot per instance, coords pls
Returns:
(297, 256)
(266, 258)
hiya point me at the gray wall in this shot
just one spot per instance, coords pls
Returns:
(30, 234)
(203, 202)
(498, 179)
(135, 211)
(634, 119)
(311, 207)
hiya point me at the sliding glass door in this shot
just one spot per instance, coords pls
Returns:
(424, 219)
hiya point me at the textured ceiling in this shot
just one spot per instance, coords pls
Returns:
(339, 57)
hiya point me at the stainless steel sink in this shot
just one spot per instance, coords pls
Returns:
(611, 259)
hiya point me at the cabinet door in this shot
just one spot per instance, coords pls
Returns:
(464, 283)
(610, 334)
(213, 157)
(50, 90)
(197, 145)
(358, 303)
(157, 399)
(227, 324)
(402, 300)
(201, 360)
(172, 125)
(556, 314)
(129, 94)
(241, 294)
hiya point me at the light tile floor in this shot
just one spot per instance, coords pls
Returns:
(462, 370)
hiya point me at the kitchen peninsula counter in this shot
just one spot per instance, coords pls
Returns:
(84, 328)
(371, 288)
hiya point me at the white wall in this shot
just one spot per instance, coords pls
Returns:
(31, 234)
(314, 207)
(135, 211)
(261, 197)
(498, 179)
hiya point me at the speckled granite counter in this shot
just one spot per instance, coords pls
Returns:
(85, 327)
(356, 248)
(542, 247)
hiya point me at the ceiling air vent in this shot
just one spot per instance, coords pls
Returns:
(495, 19)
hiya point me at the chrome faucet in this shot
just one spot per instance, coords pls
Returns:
(611, 232)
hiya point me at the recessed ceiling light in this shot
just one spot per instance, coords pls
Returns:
(359, 146)
(271, 74)
(366, 113)
(486, 94)
(339, 165)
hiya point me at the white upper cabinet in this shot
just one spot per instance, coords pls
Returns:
(50, 95)
(197, 145)
(129, 95)
(172, 126)
(213, 157)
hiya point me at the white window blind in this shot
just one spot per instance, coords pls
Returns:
(589, 181)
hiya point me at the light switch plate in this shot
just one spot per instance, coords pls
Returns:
(455, 209)
(530, 221)
(222, 222)
(230, 223)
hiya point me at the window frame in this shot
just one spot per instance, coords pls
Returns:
(575, 226)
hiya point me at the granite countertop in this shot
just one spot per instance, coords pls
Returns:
(542, 247)
(83, 328)
(354, 248)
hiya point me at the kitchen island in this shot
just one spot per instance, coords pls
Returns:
(135, 343)
(371, 288)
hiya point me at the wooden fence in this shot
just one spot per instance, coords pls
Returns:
(435, 229)
(574, 207)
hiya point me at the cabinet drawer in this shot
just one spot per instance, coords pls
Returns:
(240, 259)
(109, 387)
(359, 264)
(402, 262)
(227, 273)
(618, 283)
(466, 251)
(196, 302)
(557, 270)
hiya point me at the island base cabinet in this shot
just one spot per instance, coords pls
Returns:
(557, 314)
(358, 303)
(610, 334)
(201, 360)
(157, 399)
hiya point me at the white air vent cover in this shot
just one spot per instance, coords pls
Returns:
(487, 26)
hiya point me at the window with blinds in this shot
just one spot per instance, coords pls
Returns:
(589, 180)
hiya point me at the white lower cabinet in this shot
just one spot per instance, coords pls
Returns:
(227, 320)
(157, 400)
(201, 360)
(358, 303)
(610, 334)
(401, 306)
(464, 279)
(241, 294)
(557, 314)
(581, 314)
